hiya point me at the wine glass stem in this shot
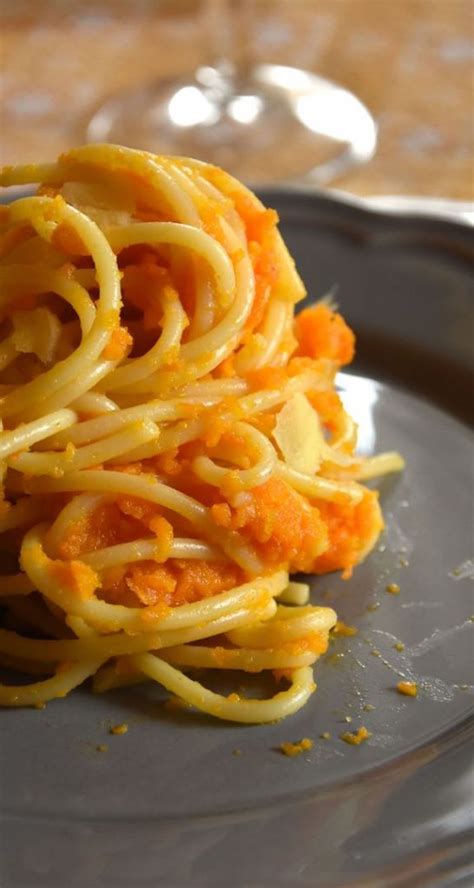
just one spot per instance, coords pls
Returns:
(227, 27)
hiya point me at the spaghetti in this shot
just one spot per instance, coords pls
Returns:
(172, 445)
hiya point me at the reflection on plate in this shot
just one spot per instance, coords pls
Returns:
(170, 803)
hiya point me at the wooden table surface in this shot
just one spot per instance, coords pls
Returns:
(411, 61)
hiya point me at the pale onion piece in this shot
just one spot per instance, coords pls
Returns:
(105, 204)
(295, 593)
(36, 332)
(299, 435)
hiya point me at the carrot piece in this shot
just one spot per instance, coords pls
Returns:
(350, 528)
(118, 346)
(323, 333)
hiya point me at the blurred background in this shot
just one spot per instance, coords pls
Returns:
(410, 62)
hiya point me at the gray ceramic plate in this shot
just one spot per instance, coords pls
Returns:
(170, 804)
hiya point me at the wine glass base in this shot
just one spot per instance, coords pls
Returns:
(276, 123)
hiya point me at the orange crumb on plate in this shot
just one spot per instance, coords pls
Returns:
(292, 749)
(343, 629)
(408, 688)
(357, 737)
(119, 729)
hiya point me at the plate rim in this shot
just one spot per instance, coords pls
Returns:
(452, 736)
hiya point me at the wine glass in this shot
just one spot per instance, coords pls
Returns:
(262, 122)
